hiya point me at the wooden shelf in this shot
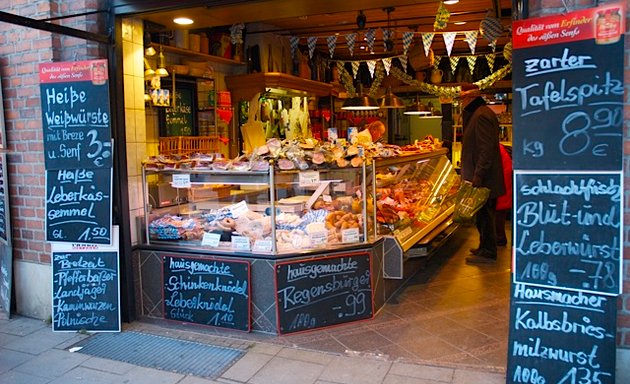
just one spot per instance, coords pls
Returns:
(194, 54)
(244, 87)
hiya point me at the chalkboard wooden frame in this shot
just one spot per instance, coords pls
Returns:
(561, 216)
(87, 263)
(5, 209)
(245, 325)
(189, 87)
(305, 319)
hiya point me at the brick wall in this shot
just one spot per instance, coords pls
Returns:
(21, 51)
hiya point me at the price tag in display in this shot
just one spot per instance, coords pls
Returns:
(402, 234)
(262, 245)
(211, 239)
(319, 238)
(350, 235)
(240, 243)
(327, 198)
(181, 181)
(308, 178)
(238, 209)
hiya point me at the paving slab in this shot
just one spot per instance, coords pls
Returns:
(15, 377)
(245, 368)
(350, 370)
(423, 372)
(56, 363)
(285, 371)
(82, 375)
(10, 359)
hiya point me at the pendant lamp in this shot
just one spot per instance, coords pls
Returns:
(360, 102)
(417, 108)
(389, 100)
(161, 71)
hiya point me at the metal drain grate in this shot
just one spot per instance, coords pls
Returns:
(167, 354)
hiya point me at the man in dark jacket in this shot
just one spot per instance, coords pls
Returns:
(481, 165)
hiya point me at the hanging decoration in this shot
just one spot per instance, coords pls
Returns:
(387, 63)
(346, 80)
(427, 39)
(355, 69)
(490, 57)
(369, 37)
(403, 61)
(441, 17)
(293, 42)
(493, 45)
(472, 60)
(449, 40)
(454, 60)
(350, 40)
(507, 52)
(371, 66)
(236, 33)
(387, 39)
(376, 84)
(311, 42)
(490, 27)
(332, 43)
(436, 62)
(407, 39)
(470, 37)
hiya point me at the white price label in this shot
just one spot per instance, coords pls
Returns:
(238, 209)
(181, 180)
(211, 239)
(319, 238)
(262, 245)
(350, 235)
(240, 243)
(308, 178)
(327, 198)
(402, 234)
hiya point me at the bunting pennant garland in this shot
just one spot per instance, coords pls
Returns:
(387, 63)
(507, 51)
(472, 60)
(407, 39)
(332, 43)
(369, 36)
(471, 39)
(449, 39)
(403, 62)
(236, 33)
(355, 69)
(441, 17)
(311, 42)
(490, 57)
(387, 35)
(436, 63)
(493, 45)
(371, 66)
(454, 60)
(427, 39)
(293, 42)
(350, 39)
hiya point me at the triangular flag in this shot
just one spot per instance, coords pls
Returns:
(387, 35)
(387, 63)
(471, 39)
(369, 37)
(490, 57)
(407, 39)
(493, 45)
(441, 17)
(427, 39)
(355, 68)
(403, 62)
(472, 60)
(454, 61)
(311, 41)
(449, 40)
(350, 39)
(332, 43)
(436, 63)
(293, 41)
(371, 66)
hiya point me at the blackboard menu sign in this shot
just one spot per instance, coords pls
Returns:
(78, 205)
(568, 90)
(561, 337)
(86, 294)
(213, 292)
(4, 202)
(568, 231)
(76, 114)
(321, 292)
(179, 119)
(6, 279)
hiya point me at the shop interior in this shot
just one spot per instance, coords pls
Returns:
(225, 89)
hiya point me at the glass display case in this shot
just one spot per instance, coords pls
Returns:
(268, 212)
(414, 196)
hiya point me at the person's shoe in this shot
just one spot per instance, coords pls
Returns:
(481, 260)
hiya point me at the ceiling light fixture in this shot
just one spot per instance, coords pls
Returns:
(390, 101)
(360, 102)
(361, 20)
(183, 21)
(459, 23)
(451, 2)
(161, 71)
(418, 109)
(148, 48)
(389, 43)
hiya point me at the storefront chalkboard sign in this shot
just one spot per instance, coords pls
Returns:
(86, 291)
(568, 230)
(78, 205)
(6, 280)
(179, 118)
(321, 292)
(568, 90)
(213, 292)
(76, 114)
(4, 202)
(560, 337)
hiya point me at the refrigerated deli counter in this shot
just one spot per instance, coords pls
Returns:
(280, 250)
